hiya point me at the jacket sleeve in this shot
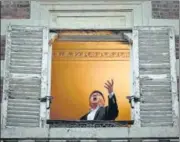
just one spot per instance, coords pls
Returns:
(84, 117)
(112, 108)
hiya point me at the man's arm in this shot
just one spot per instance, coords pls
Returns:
(112, 108)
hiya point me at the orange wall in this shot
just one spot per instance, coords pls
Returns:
(73, 81)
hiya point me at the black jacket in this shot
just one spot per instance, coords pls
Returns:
(109, 112)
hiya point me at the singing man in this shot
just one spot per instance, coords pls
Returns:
(97, 105)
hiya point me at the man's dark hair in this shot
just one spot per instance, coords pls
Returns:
(96, 91)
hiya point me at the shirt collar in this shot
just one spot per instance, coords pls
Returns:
(95, 108)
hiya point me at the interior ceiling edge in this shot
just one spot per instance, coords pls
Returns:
(93, 35)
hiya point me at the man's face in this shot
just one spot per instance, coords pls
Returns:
(96, 99)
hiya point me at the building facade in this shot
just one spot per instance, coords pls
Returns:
(144, 24)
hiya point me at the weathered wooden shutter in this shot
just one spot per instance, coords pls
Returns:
(155, 77)
(25, 77)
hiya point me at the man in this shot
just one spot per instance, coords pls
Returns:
(97, 101)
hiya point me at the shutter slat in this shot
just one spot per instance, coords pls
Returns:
(157, 112)
(150, 108)
(155, 66)
(12, 70)
(24, 93)
(26, 54)
(149, 82)
(27, 38)
(155, 88)
(150, 100)
(23, 112)
(14, 63)
(23, 108)
(154, 71)
(15, 35)
(26, 47)
(19, 42)
(26, 124)
(155, 78)
(156, 124)
(23, 116)
(23, 104)
(20, 120)
(24, 101)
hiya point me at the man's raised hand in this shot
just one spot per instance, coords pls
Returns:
(109, 86)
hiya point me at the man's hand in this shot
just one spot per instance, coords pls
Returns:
(109, 86)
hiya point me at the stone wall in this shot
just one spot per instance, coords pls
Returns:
(165, 9)
(15, 9)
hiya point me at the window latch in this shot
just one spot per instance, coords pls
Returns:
(132, 100)
(46, 99)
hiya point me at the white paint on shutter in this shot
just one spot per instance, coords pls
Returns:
(26, 79)
(155, 77)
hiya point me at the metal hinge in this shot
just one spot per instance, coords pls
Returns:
(132, 100)
(46, 99)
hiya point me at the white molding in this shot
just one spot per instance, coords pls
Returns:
(121, 15)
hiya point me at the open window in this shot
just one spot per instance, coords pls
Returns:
(82, 61)
(27, 77)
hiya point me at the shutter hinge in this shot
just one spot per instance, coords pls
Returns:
(46, 99)
(132, 100)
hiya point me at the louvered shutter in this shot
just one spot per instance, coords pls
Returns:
(26, 77)
(155, 77)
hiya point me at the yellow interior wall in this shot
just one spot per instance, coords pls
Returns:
(74, 80)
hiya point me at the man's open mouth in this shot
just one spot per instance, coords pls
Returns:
(94, 98)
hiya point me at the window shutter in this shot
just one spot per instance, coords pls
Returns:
(26, 77)
(155, 77)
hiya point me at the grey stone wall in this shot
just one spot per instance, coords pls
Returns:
(165, 9)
